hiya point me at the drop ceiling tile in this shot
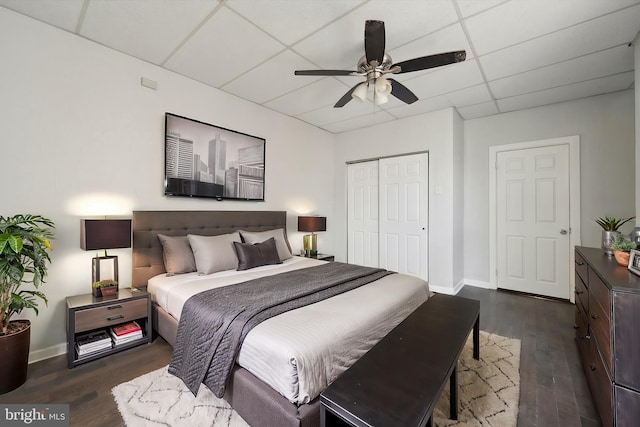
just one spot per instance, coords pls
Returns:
(449, 78)
(341, 44)
(328, 114)
(611, 61)
(61, 13)
(142, 29)
(478, 110)
(420, 107)
(302, 18)
(359, 122)
(471, 7)
(223, 48)
(271, 79)
(517, 21)
(470, 96)
(318, 94)
(609, 31)
(566, 93)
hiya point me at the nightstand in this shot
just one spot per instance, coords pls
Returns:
(87, 314)
(321, 257)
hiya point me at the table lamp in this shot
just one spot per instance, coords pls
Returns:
(103, 234)
(311, 224)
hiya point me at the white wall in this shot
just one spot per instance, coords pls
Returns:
(433, 132)
(605, 125)
(81, 137)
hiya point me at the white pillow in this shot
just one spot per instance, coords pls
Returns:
(261, 236)
(214, 253)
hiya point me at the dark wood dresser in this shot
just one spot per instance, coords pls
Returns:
(608, 334)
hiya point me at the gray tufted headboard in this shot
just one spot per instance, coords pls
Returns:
(147, 250)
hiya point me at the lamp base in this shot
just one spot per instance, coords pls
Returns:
(104, 268)
(310, 244)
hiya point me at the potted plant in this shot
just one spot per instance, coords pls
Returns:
(610, 226)
(24, 246)
(104, 288)
(621, 248)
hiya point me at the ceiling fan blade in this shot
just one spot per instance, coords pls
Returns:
(346, 97)
(323, 72)
(401, 92)
(431, 61)
(374, 40)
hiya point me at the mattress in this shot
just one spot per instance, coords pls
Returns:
(300, 352)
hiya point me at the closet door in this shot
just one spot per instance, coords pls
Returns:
(362, 240)
(403, 211)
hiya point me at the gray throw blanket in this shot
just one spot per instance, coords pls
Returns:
(214, 323)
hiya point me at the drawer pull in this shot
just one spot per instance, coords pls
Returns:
(593, 367)
(114, 307)
(119, 316)
(579, 292)
(594, 316)
(579, 262)
(575, 326)
(587, 337)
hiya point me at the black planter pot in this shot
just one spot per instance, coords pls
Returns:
(14, 357)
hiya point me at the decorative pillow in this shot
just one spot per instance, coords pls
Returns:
(177, 254)
(257, 254)
(214, 253)
(261, 236)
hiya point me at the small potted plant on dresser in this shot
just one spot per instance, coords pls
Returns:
(621, 248)
(24, 246)
(610, 226)
(104, 288)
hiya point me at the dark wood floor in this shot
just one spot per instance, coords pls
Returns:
(553, 389)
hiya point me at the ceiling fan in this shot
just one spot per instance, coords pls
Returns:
(375, 64)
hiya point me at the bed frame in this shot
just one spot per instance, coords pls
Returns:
(256, 402)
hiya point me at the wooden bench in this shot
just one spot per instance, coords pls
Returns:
(397, 383)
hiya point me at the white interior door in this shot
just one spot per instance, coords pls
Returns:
(404, 193)
(362, 207)
(532, 221)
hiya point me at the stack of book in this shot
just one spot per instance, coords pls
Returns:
(126, 332)
(92, 342)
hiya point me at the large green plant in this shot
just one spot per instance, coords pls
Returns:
(24, 246)
(611, 223)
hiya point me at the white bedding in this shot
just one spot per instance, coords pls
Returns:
(300, 352)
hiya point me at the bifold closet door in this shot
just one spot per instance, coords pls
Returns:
(388, 214)
(362, 206)
(403, 211)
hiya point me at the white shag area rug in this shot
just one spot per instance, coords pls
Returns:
(489, 391)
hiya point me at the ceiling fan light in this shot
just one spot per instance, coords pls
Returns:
(360, 93)
(382, 87)
(381, 99)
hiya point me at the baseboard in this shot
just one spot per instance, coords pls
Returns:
(46, 353)
(478, 284)
(442, 290)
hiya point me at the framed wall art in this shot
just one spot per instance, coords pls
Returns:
(203, 160)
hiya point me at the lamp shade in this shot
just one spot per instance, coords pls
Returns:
(312, 223)
(360, 92)
(96, 234)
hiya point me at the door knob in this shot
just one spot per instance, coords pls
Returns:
(563, 231)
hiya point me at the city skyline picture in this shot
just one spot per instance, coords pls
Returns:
(204, 160)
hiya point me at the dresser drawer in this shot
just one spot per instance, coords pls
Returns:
(599, 292)
(581, 267)
(119, 312)
(601, 386)
(582, 295)
(600, 330)
(582, 333)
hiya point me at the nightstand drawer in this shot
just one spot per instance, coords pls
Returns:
(108, 315)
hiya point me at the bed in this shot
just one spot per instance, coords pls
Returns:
(264, 398)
